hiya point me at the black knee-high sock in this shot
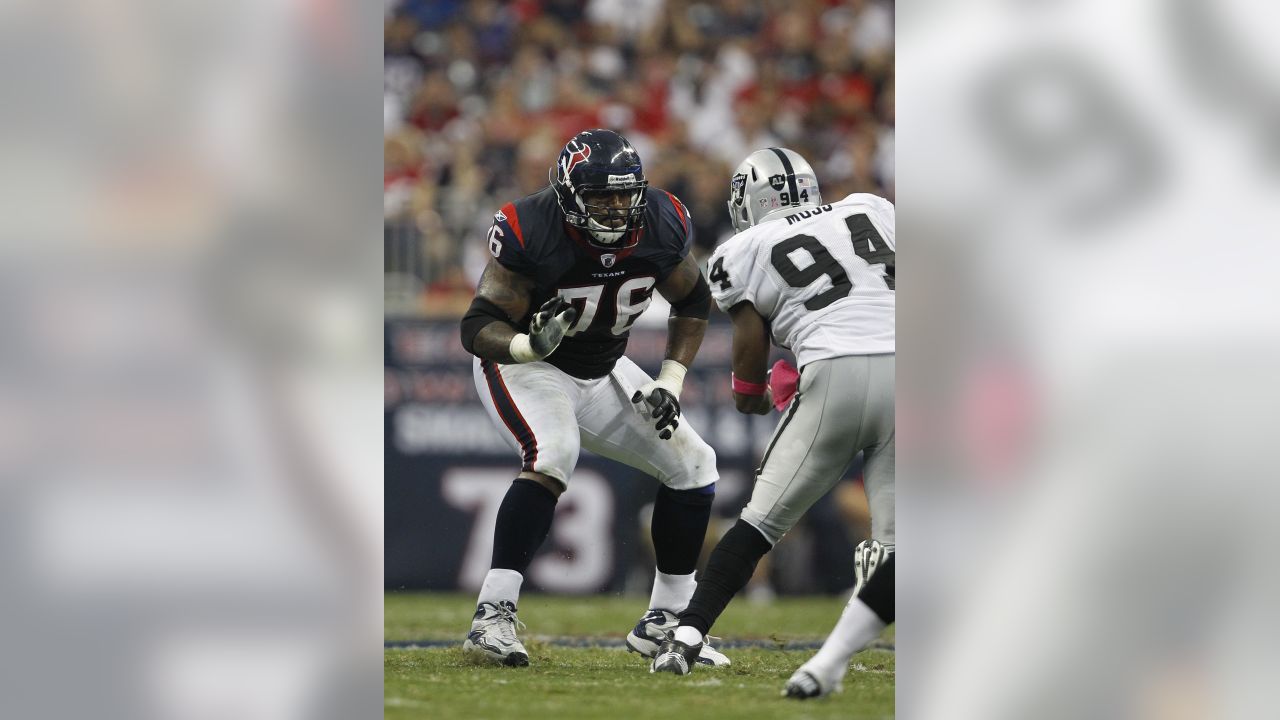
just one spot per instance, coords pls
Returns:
(679, 526)
(878, 592)
(730, 567)
(524, 519)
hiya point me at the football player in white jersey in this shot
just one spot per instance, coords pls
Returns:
(819, 280)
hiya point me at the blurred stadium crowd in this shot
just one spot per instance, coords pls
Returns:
(480, 95)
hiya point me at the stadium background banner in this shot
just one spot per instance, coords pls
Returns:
(447, 469)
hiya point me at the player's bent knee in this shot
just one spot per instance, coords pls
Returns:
(699, 471)
(706, 458)
(551, 484)
(553, 465)
(760, 521)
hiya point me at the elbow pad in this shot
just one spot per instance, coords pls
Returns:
(480, 315)
(697, 304)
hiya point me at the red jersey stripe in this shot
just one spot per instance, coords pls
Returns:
(514, 220)
(680, 211)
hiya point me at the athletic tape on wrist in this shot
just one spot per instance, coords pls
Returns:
(671, 377)
(521, 351)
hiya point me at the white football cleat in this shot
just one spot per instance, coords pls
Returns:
(493, 634)
(649, 634)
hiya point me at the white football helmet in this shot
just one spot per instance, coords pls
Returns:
(769, 181)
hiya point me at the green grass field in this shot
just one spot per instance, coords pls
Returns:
(607, 682)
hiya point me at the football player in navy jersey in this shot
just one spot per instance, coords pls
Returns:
(573, 266)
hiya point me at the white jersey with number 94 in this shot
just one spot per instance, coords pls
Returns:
(822, 276)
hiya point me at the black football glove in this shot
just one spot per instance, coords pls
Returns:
(664, 407)
(549, 324)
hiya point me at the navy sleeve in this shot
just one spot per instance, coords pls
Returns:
(675, 230)
(506, 242)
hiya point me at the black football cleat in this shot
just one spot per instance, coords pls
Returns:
(675, 657)
(805, 684)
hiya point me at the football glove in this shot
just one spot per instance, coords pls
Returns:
(546, 330)
(661, 397)
(663, 407)
(549, 325)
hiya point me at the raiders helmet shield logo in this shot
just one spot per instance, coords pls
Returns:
(608, 259)
(737, 188)
(777, 182)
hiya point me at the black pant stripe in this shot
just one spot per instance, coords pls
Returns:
(511, 415)
(791, 412)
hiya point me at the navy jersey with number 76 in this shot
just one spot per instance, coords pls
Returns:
(609, 289)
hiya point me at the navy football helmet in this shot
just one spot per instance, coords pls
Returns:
(600, 185)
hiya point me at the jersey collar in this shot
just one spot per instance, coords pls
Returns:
(598, 252)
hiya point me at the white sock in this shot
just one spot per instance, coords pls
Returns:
(688, 635)
(672, 592)
(501, 585)
(857, 627)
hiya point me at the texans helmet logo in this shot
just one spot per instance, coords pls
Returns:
(579, 154)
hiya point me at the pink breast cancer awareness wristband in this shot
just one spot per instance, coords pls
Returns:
(742, 387)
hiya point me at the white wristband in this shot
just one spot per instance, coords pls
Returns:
(521, 351)
(671, 377)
